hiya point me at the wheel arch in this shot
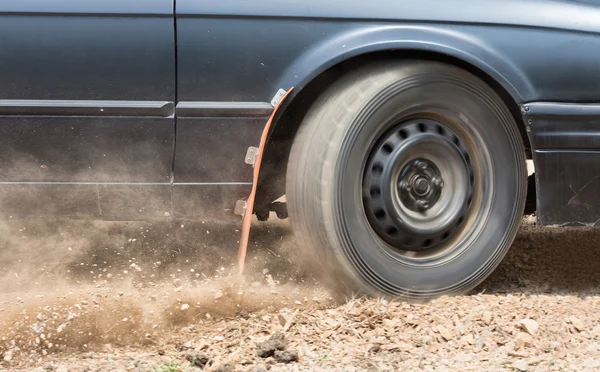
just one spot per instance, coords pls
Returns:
(511, 87)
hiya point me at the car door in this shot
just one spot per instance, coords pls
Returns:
(228, 65)
(87, 90)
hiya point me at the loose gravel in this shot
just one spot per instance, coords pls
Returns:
(90, 297)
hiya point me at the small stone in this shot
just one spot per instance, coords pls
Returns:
(520, 365)
(577, 323)
(487, 317)
(468, 338)
(8, 356)
(412, 320)
(400, 346)
(185, 346)
(524, 339)
(426, 340)
(185, 307)
(286, 356)
(197, 359)
(284, 316)
(267, 349)
(445, 333)
(270, 280)
(462, 357)
(375, 348)
(529, 325)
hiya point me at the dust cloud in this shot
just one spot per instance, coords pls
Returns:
(90, 285)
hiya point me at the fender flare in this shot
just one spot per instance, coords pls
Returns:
(439, 39)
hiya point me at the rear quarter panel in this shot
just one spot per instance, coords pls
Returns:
(240, 50)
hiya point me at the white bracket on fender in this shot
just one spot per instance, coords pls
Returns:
(251, 155)
(278, 96)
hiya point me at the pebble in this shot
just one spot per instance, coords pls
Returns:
(578, 323)
(520, 365)
(529, 325)
(286, 356)
(197, 359)
(445, 333)
(8, 356)
(267, 349)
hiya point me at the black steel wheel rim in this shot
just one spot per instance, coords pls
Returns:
(418, 186)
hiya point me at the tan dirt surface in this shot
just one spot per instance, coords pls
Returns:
(82, 296)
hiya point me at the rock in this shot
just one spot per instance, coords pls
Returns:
(524, 339)
(468, 338)
(520, 365)
(259, 369)
(487, 317)
(577, 323)
(412, 320)
(225, 368)
(400, 346)
(270, 280)
(287, 356)
(462, 357)
(267, 349)
(284, 316)
(8, 356)
(185, 307)
(197, 359)
(375, 348)
(529, 325)
(185, 346)
(445, 333)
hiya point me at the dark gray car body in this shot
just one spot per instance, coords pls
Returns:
(143, 109)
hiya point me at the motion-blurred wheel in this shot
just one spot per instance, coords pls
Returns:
(408, 180)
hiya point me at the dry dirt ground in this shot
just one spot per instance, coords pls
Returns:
(83, 296)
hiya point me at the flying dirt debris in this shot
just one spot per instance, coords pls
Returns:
(88, 310)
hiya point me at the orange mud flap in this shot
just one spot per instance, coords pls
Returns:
(254, 157)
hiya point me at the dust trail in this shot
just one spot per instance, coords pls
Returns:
(87, 285)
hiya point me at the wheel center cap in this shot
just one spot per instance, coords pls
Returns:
(421, 185)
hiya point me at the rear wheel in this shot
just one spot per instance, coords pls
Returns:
(408, 180)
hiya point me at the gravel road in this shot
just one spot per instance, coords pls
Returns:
(166, 297)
